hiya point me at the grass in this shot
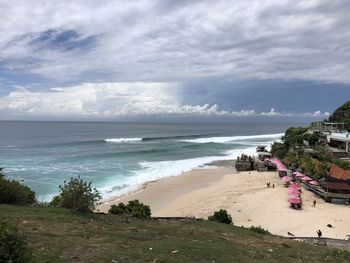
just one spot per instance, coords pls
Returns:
(59, 235)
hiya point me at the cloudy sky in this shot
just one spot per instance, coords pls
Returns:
(116, 60)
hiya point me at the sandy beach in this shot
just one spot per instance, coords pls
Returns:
(246, 197)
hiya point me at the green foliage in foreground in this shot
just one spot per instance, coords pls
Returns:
(61, 235)
(78, 195)
(13, 192)
(134, 208)
(12, 246)
(260, 230)
(221, 216)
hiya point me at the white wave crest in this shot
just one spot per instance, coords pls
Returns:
(151, 171)
(122, 140)
(228, 139)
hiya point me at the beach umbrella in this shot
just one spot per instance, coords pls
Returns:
(313, 182)
(296, 186)
(306, 178)
(299, 174)
(294, 200)
(282, 169)
(286, 179)
(293, 191)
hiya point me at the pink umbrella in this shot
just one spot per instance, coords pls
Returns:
(294, 186)
(286, 179)
(306, 178)
(294, 200)
(313, 182)
(292, 191)
(299, 174)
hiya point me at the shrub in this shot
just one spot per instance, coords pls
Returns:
(221, 216)
(12, 246)
(138, 210)
(260, 230)
(77, 195)
(13, 192)
(134, 208)
(119, 209)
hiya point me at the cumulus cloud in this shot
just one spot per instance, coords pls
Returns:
(118, 100)
(85, 40)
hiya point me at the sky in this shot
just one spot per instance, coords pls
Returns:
(173, 59)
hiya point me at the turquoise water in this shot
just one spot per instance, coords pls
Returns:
(118, 157)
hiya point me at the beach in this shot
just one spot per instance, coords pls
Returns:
(245, 196)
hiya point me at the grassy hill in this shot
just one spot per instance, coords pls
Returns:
(59, 235)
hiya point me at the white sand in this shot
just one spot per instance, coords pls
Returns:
(245, 196)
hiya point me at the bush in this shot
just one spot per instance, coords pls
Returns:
(221, 216)
(77, 195)
(12, 246)
(119, 209)
(260, 230)
(134, 208)
(13, 192)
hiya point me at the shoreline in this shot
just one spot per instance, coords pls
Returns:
(209, 166)
(171, 186)
(244, 195)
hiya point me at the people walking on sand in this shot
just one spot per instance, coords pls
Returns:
(314, 203)
(319, 233)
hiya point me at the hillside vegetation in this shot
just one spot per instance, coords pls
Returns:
(60, 235)
(342, 114)
(312, 157)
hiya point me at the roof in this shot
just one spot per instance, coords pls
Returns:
(339, 173)
(337, 186)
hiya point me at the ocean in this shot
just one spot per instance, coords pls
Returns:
(119, 157)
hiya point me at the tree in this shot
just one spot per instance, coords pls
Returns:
(78, 195)
(221, 216)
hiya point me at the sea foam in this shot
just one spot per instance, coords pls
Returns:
(151, 171)
(122, 140)
(227, 139)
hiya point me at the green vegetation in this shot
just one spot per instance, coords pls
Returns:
(12, 192)
(315, 161)
(134, 208)
(77, 195)
(260, 230)
(342, 114)
(221, 216)
(62, 235)
(12, 246)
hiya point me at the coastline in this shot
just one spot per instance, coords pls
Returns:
(161, 192)
(244, 195)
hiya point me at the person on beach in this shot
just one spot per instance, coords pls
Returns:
(273, 185)
(319, 233)
(314, 203)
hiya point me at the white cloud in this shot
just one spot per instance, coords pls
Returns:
(175, 40)
(117, 100)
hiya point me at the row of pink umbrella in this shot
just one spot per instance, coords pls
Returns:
(280, 166)
(294, 194)
(305, 178)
